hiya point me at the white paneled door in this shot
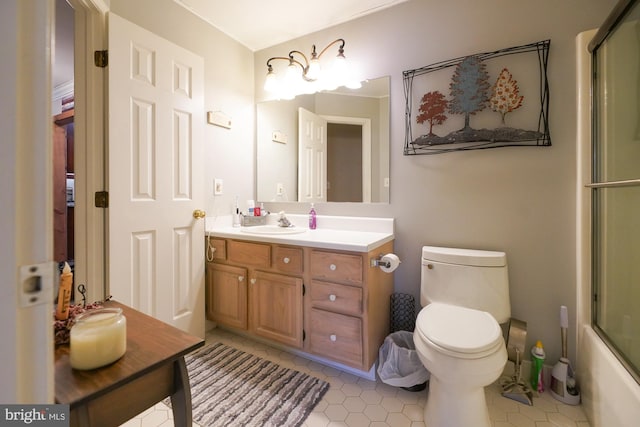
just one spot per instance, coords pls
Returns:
(156, 260)
(312, 157)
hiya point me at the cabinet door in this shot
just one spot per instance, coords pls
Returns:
(276, 306)
(227, 295)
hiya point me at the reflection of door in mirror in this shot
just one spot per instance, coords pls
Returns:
(312, 157)
(333, 149)
(279, 175)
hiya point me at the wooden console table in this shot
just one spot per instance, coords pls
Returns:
(152, 368)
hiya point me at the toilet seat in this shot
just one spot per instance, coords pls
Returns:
(459, 331)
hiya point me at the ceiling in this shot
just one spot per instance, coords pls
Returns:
(259, 24)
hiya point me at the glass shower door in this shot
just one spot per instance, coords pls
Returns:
(616, 187)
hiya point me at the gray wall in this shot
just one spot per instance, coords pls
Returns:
(520, 200)
(228, 88)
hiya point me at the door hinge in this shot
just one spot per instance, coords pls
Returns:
(304, 335)
(101, 58)
(102, 199)
(304, 290)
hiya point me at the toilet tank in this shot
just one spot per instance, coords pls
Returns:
(467, 278)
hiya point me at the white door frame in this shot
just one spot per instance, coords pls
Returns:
(89, 155)
(366, 149)
(26, 217)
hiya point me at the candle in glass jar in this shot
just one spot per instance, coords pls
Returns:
(98, 338)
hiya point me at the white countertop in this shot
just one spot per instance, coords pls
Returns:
(357, 234)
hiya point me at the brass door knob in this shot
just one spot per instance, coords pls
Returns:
(198, 214)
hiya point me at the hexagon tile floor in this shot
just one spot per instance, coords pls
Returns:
(355, 402)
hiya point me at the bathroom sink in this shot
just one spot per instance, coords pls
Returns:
(272, 229)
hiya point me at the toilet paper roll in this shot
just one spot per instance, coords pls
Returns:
(392, 260)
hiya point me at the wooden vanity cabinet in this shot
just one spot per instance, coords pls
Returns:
(329, 303)
(268, 303)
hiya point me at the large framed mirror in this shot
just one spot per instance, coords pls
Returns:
(343, 155)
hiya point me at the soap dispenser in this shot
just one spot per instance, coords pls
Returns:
(312, 218)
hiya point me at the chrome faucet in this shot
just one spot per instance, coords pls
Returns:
(283, 221)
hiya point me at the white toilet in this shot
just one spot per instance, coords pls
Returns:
(465, 295)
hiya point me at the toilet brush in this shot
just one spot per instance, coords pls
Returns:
(563, 383)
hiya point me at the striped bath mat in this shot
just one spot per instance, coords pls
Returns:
(232, 388)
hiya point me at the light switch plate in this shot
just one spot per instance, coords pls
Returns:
(217, 187)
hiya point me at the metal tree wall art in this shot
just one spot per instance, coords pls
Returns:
(432, 109)
(474, 116)
(505, 95)
(469, 89)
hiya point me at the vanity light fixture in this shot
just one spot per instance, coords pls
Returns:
(305, 76)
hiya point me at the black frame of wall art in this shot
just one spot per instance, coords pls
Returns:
(473, 96)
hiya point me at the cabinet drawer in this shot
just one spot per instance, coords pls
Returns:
(333, 297)
(216, 249)
(336, 336)
(336, 267)
(247, 253)
(287, 260)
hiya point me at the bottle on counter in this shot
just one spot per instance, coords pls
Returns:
(312, 218)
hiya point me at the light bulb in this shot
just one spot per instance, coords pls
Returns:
(292, 75)
(313, 73)
(271, 82)
(338, 74)
(340, 66)
(353, 79)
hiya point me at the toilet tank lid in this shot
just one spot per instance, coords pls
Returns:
(472, 257)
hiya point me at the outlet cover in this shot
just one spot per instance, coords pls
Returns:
(217, 187)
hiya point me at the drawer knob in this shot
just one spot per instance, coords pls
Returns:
(240, 278)
(253, 281)
(332, 267)
(332, 297)
(333, 338)
(286, 260)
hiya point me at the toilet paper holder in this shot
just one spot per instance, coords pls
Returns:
(379, 262)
